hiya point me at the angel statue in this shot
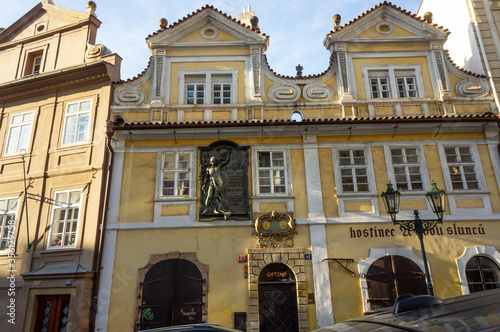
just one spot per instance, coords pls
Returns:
(212, 184)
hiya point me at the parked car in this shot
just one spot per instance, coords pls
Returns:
(474, 312)
(202, 327)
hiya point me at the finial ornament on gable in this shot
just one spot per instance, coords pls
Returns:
(91, 7)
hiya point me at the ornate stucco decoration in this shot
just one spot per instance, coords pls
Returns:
(318, 92)
(95, 51)
(256, 64)
(439, 61)
(284, 93)
(130, 96)
(467, 88)
(274, 229)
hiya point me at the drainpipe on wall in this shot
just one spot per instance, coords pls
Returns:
(98, 267)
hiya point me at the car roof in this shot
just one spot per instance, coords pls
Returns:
(474, 312)
(193, 327)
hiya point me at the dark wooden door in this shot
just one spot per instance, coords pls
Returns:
(277, 300)
(391, 276)
(172, 294)
(53, 313)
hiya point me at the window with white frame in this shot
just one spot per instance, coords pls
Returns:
(8, 210)
(65, 217)
(461, 167)
(77, 122)
(407, 170)
(391, 82)
(176, 170)
(353, 168)
(271, 172)
(209, 87)
(19, 132)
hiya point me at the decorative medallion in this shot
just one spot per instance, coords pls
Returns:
(468, 88)
(284, 93)
(318, 92)
(274, 229)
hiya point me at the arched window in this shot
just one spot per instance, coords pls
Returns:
(391, 276)
(172, 294)
(482, 274)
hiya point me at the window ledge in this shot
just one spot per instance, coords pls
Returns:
(174, 199)
(72, 147)
(61, 250)
(468, 192)
(356, 194)
(273, 196)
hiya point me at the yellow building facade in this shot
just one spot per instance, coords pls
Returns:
(55, 94)
(245, 198)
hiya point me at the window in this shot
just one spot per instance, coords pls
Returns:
(76, 127)
(65, 217)
(208, 87)
(406, 165)
(33, 63)
(8, 210)
(461, 168)
(271, 172)
(353, 170)
(176, 174)
(393, 82)
(19, 132)
(482, 274)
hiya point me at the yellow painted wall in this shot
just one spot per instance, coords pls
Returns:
(330, 204)
(387, 48)
(196, 36)
(299, 183)
(373, 33)
(138, 187)
(442, 251)
(225, 280)
(208, 52)
(490, 176)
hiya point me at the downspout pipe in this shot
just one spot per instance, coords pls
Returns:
(483, 51)
(98, 267)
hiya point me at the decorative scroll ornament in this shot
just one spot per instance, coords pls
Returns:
(318, 92)
(472, 88)
(95, 51)
(281, 93)
(129, 96)
(256, 72)
(274, 229)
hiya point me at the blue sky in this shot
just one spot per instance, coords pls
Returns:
(296, 28)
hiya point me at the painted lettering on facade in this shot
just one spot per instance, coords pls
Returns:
(374, 231)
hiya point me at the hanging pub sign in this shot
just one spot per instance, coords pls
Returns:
(224, 182)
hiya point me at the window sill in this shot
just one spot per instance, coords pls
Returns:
(356, 194)
(468, 192)
(273, 196)
(71, 147)
(174, 199)
(53, 250)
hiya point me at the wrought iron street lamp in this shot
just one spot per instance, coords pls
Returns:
(436, 198)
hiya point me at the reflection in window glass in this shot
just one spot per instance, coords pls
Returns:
(482, 274)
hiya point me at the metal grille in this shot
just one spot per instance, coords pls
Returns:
(278, 308)
(46, 316)
(64, 316)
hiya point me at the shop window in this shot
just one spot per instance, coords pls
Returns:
(353, 170)
(8, 211)
(53, 313)
(19, 132)
(208, 87)
(393, 82)
(65, 217)
(77, 122)
(176, 172)
(391, 276)
(482, 274)
(462, 170)
(407, 170)
(161, 305)
(272, 172)
(33, 63)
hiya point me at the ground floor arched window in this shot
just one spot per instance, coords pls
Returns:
(482, 274)
(391, 276)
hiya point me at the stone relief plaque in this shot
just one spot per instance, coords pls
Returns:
(223, 182)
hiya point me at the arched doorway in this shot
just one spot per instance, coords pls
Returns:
(172, 294)
(391, 276)
(277, 299)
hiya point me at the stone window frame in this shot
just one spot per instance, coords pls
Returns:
(204, 77)
(469, 252)
(391, 72)
(161, 171)
(294, 259)
(156, 258)
(21, 125)
(286, 168)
